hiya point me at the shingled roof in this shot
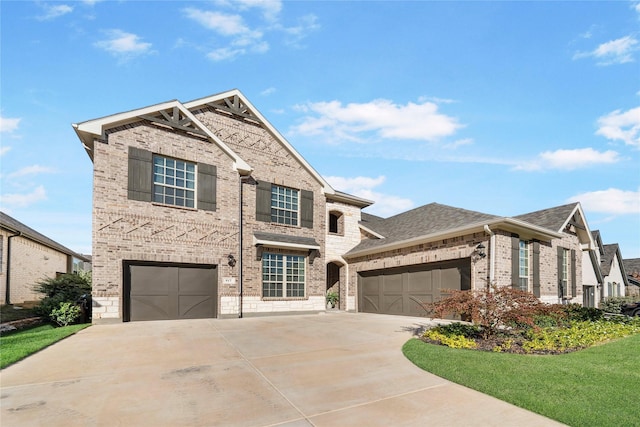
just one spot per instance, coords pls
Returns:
(421, 221)
(16, 226)
(632, 266)
(607, 259)
(552, 218)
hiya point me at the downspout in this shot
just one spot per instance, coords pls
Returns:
(7, 298)
(240, 252)
(492, 255)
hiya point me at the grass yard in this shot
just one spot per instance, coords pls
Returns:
(597, 386)
(18, 345)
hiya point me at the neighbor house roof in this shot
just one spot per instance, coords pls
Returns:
(14, 226)
(610, 253)
(434, 222)
(632, 268)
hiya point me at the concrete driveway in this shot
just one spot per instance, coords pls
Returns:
(334, 369)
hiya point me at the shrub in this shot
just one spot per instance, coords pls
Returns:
(453, 341)
(66, 288)
(493, 309)
(65, 314)
(579, 313)
(614, 304)
(457, 328)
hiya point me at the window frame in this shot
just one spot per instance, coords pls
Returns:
(523, 265)
(280, 212)
(566, 269)
(174, 187)
(287, 267)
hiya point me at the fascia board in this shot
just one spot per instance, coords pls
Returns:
(97, 127)
(202, 101)
(370, 231)
(349, 199)
(539, 232)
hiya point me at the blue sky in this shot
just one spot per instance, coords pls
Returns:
(499, 107)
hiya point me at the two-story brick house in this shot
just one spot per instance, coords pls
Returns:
(202, 209)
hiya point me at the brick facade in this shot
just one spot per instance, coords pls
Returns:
(132, 230)
(31, 262)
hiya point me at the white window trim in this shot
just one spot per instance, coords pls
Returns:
(297, 211)
(284, 276)
(195, 183)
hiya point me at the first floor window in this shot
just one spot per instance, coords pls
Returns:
(523, 266)
(283, 276)
(174, 182)
(565, 272)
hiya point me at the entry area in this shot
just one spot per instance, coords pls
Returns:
(160, 291)
(403, 290)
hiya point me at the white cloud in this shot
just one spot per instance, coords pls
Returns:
(225, 24)
(569, 159)
(4, 150)
(243, 38)
(122, 44)
(268, 91)
(9, 125)
(270, 8)
(54, 11)
(295, 34)
(617, 51)
(619, 125)
(12, 201)
(612, 201)
(383, 117)
(31, 170)
(385, 204)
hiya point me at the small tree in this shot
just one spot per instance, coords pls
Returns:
(492, 309)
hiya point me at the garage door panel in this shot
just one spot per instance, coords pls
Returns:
(195, 306)
(420, 281)
(393, 304)
(196, 281)
(392, 284)
(153, 307)
(152, 280)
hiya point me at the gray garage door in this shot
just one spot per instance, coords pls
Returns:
(170, 291)
(403, 290)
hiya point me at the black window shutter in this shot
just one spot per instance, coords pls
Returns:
(515, 262)
(306, 209)
(263, 201)
(574, 285)
(560, 291)
(207, 177)
(536, 269)
(140, 174)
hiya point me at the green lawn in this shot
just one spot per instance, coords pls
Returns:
(18, 345)
(593, 387)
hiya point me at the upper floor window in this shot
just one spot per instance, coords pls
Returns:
(283, 276)
(336, 225)
(284, 205)
(523, 263)
(174, 182)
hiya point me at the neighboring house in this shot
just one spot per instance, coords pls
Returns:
(202, 209)
(614, 283)
(632, 268)
(29, 257)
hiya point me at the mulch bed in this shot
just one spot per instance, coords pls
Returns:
(514, 346)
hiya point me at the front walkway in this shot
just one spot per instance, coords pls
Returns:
(334, 369)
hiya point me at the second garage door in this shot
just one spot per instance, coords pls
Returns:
(403, 290)
(170, 291)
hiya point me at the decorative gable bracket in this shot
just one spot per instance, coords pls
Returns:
(174, 118)
(233, 105)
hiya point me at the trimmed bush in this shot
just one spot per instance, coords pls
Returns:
(614, 304)
(66, 288)
(65, 314)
